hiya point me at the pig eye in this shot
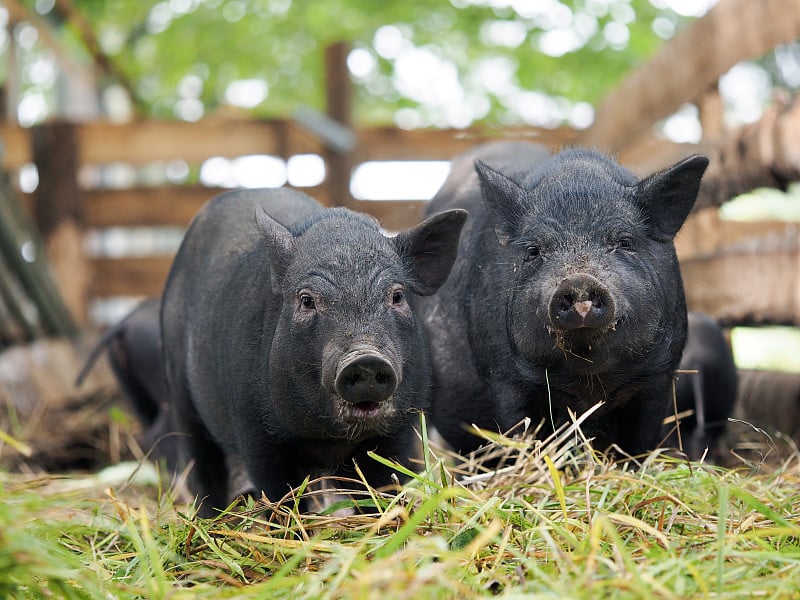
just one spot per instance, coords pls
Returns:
(398, 296)
(307, 302)
(622, 244)
(532, 252)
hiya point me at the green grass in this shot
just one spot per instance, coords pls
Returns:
(554, 520)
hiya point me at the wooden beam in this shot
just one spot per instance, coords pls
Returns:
(16, 146)
(705, 233)
(57, 210)
(142, 142)
(691, 63)
(339, 107)
(753, 282)
(140, 276)
(760, 154)
(145, 207)
(391, 143)
(174, 206)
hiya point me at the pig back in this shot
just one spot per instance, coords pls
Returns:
(461, 188)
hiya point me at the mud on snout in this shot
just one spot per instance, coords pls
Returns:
(581, 311)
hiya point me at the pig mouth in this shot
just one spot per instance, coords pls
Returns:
(365, 412)
(582, 341)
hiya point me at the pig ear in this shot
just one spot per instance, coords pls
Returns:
(429, 249)
(501, 197)
(279, 242)
(667, 197)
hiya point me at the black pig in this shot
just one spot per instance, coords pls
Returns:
(710, 393)
(133, 347)
(296, 347)
(566, 292)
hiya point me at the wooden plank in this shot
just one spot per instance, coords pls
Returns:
(16, 145)
(760, 154)
(339, 100)
(753, 282)
(705, 233)
(136, 276)
(691, 63)
(176, 205)
(141, 142)
(58, 217)
(153, 207)
(139, 276)
(391, 143)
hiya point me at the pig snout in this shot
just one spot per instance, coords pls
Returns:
(365, 378)
(581, 301)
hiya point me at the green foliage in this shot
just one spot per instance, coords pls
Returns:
(158, 44)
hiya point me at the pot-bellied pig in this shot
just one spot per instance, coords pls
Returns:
(133, 347)
(292, 342)
(710, 392)
(566, 292)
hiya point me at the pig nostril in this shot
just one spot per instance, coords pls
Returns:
(597, 300)
(567, 301)
(352, 378)
(366, 379)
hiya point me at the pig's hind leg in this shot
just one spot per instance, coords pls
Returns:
(209, 475)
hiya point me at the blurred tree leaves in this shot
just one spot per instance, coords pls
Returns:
(492, 50)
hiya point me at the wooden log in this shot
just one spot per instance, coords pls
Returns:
(130, 276)
(147, 141)
(391, 143)
(339, 100)
(705, 233)
(689, 64)
(769, 400)
(761, 154)
(145, 206)
(749, 283)
(57, 211)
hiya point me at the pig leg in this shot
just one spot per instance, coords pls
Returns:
(209, 474)
(513, 403)
(699, 435)
(636, 426)
(272, 469)
(377, 474)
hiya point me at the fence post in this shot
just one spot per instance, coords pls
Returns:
(339, 97)
(57, 210)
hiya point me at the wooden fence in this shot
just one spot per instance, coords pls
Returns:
(739, 273)
(72, 201)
